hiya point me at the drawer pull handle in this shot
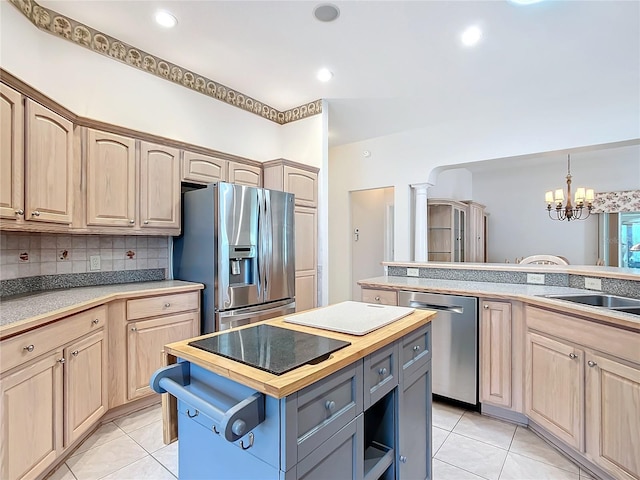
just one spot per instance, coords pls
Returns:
(62, 360)
(403, 459)
(591, 363)
(194, 415)
(35, 213)
(573, 356)
(29, 348)
(250, 442)
(330, 405)
(20, 212)
(95, 321)
(167, 305)
(132, 221)
(383, 371)
(416, 348)
(75, 353)
(377, 298)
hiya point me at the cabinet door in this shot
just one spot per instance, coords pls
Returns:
(159, 186)
(306, 228)
(48, 165)
(555, 388)
(303, 184)
(495, 353)
(203, 169)
(342, 456)
(245, 174)
(145, 342)
(414, 425)
(31, 411)
(11, 153)
(111, 179)
(85, 385)
(476, 233)
(613, 416)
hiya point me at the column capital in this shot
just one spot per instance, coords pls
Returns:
(421, 186)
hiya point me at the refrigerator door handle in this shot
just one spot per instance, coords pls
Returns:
(268, 234)
(259, 260)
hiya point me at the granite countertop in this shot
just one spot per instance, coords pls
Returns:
(29, 310)
(531, 294)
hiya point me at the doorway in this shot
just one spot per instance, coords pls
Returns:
(372, 213)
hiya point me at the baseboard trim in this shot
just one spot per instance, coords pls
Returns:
(504, 414)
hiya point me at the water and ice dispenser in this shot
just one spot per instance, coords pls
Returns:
(242, 265)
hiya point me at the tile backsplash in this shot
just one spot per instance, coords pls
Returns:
(34, 254)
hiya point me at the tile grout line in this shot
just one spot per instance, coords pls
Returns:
(463, 469)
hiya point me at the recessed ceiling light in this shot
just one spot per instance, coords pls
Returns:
(326, 12)
(324, 75)
(525, 2)
(471, 36)
(165, 19)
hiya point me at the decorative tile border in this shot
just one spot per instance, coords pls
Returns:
(615, 202)
(85, 36)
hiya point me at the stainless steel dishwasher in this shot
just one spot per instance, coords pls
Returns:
(454, 343)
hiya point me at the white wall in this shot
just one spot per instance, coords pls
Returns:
(101, 88)
(455, 183)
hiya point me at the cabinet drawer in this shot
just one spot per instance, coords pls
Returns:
(380, 374)
(162, 305)
(415, 350)
(326, 406)
(383, 297)
(30, 345)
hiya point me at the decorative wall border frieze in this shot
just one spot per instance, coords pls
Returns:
(87, 37)
(616, 202)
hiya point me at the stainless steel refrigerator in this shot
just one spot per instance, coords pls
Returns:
(239, 242)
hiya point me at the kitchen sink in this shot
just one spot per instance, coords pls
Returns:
(611, 302)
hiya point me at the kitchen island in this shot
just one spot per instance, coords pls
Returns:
(363, 412)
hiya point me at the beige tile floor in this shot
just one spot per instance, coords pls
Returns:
(466, 445)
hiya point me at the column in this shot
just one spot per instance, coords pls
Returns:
(420, 221)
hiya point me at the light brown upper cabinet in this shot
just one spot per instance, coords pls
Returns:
(11, 154)
(244, 174)
(159, 186)
(48, 166)
(203, 169)
(111, 179)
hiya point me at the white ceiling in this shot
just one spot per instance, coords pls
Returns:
(398, 65)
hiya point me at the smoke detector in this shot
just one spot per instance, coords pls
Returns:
(326, 12)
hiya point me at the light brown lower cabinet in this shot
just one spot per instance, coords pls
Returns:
(495, 353)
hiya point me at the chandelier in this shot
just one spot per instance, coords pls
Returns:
(583, 201)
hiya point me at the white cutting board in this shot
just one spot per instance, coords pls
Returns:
(354, 318)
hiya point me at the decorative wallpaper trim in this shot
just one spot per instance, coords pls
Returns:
(85, 36)
(615, 202)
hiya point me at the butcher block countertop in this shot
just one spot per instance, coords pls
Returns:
(25, 312)
(295, 380)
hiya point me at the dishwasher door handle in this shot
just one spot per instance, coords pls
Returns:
(441, 308)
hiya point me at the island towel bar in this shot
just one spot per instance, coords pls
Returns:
(235, 417)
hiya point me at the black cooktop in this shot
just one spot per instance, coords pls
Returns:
(273, 349)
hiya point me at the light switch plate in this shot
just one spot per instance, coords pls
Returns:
(535, 278)
(94, 262)
(592, 283)
(413, 272)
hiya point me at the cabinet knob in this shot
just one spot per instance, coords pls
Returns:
(75, 353)
(29, 348)
(330, 405)
(383, 371)
(62, 360)
(377, 298)
(35, 213)
(486, 307)
(132, 221)
(573, 356)
(20, 212)
(134, 329)
(95, 321)
(146, 222)
(591, 363)
(416, 348)
(167, 305)
(403, 459)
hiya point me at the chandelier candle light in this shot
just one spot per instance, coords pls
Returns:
(584, 198)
